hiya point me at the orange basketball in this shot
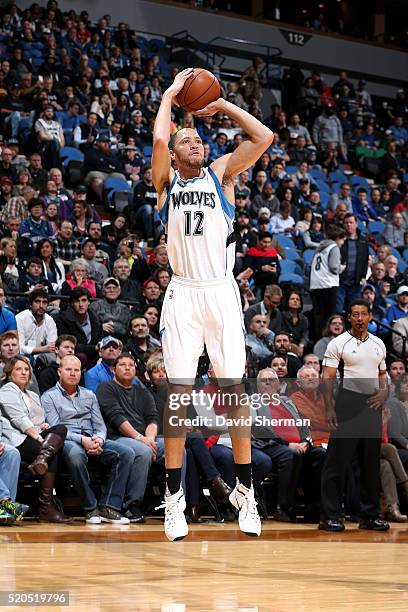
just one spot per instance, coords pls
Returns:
(199, 91)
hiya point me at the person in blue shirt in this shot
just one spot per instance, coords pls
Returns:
(362, 207)
(35, 227)
(109, 350)
(7, 319)
(399, 132)
(400, 309)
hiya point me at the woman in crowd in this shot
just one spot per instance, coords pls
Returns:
(306, 217)
(53, 268)
(78, 277)
(24, 427)
(313, 236)
(398, 424)
(294, 322)
(115, 231)
(392, 473)
(23, 181)
(334, 327)
(51, 215)
(152, 314)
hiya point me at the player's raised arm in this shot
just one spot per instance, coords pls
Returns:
(249, 151)
(161, 161)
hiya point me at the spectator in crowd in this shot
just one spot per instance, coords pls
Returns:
(140, 342)
(394, 231)
(269, 306)
(259, 339)
(77, 409)
(97, 271)
(113, 316)
(66, 248)
(283, 348)
(327, 127)
(79, 271)
(7, 318)
(10, 510)
(326, 268)
(392, 473)
(343, 195)
(295, 322)
(48, 376)
(312, 360)
(362, 208)
(392, 276)
(109, 350)
(53, 269)
(354, 255)
(50, 135)
(34, 227)
(283, 222)
(37, 331)
(290, 446)
(79, 321)
(398, 423)
(400, 309)
(263, 260)
(132, 420)
(309, 401)
(26, 428)
(334, 327)
(129, 287)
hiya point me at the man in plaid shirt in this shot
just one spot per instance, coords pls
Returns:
(66, 248)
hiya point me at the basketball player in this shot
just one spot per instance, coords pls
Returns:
(202, 304)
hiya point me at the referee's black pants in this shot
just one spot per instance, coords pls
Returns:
(358, 432)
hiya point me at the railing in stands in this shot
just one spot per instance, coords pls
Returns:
(268, 53)
(397, 333)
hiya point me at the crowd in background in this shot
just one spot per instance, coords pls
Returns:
(311, 229)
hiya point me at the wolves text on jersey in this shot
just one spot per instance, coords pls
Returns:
(193, 198)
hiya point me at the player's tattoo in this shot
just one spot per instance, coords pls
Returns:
(226, 181)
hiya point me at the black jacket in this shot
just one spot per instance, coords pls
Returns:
(362, 260)
(67, 323)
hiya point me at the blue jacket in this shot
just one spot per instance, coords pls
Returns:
(97, 375)
(394, 313)
(364, 213)
(7, 320)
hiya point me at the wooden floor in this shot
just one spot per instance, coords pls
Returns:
(291, 568)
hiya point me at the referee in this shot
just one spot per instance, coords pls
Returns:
(356, 422)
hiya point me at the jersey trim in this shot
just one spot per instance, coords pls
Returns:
(164, 211)
(227, 207)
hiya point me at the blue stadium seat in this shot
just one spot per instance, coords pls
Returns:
(296, 279)
(291, 169)
(147, 151)
(72, 162)
(285, 241)
(288, 267)
(117, 193)
(317, 174)
(324, 199)
(308, 256)
(337, 177)
(292, 254)
(359, 181)
(68, 154)
(402, 266)
(323, 186)
(405, 254)
(396, 254)
(362, 227)
(376, 227)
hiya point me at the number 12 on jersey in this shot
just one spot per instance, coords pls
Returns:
(198, 223)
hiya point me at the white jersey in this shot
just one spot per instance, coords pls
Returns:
(321, 277)
(199, 228)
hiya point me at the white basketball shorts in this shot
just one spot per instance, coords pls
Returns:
(203, 312)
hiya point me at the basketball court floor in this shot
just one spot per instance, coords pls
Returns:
(290, 568)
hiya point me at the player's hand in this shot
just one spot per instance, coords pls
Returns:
(178, 83)
(212, 108)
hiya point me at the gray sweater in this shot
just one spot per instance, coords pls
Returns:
(16, 413)
(398, 424)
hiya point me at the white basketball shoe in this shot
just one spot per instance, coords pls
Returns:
(243, 500)
(175, 524)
